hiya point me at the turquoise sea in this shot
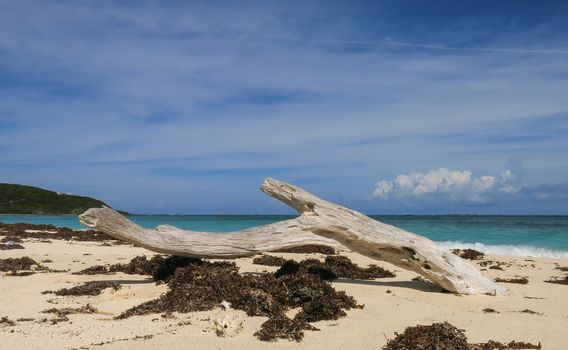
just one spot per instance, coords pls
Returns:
(540, 236)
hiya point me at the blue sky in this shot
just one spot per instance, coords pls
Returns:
(383, 106)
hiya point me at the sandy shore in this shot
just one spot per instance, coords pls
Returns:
(391, 304)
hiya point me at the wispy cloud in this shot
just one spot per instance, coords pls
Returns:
(480, 49)
(123, 100)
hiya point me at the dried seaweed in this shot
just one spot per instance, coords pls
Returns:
(311, 266)
(268, 260)
(437, 336)
(333, 267)
(10, 246)
(444, 336)
(61, 314)
(496, 267)
(88, 288)
(282, 327)
(530, 312)
(558, 280)
(517, 280)
(494, 264)
(17, 264)
(95, 270)
(562, 268)
(203, 286)
(344, 268)
(489, 310)
(10, 239)
(308, 249)
(469, 254)
(161, 268)
(6, 321)
(494, 345)
(20, 273)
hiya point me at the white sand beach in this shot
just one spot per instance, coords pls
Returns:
(390, 305)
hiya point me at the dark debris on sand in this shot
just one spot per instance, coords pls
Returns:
(10, 246)
(198, 285)
(494, 264)
(558, 280)
(95, 270)
(61, 314)
(530, 312)
(444, 336)
(344, 268)
(268, 260)
(469, 254)
(20, 232)
(5, 321)
(562, 268)
(489, 310)
(18, 264)
(88, 288)
(308, 249)
(10, 239)
(495, 345)
(334, 266)
(161, 268)
(516, 280)
(281, 326)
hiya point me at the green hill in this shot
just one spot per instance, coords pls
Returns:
(20, 199)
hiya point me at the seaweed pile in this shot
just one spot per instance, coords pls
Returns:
(161, 268)
(23, 266)
(10, 242)
(15, 265)
(22, 230)
(269, 260)
(197, 285)
(88, 288)
(8, 239)
(282, 327)
(469, 254)
(444, 336)
(95, 270)
(334, 266)
(308, 249)
(517, 280)
(558, 280)
(10, 245)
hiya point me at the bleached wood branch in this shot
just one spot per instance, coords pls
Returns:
(320, 222)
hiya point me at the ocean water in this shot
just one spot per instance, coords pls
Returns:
(538, 236)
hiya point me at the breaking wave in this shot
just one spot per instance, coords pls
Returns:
(515, 250)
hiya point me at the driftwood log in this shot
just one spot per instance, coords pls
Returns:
(320, 222)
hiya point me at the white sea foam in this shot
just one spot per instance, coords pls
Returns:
(516, 250)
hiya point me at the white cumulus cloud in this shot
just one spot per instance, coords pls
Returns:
(458, 185)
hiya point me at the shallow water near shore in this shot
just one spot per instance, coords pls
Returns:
(540, 236)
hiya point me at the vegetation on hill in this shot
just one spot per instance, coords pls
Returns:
(20, 199)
